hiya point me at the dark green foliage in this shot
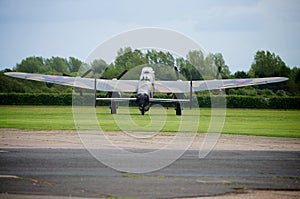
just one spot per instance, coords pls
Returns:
(224, 69)
(35, 99)
(240, 74)
(32, 65)
(267, 64)
(51, 65)
(57, 64)
(74, 64)
(266, 92)
(281, 93)
(259, 102)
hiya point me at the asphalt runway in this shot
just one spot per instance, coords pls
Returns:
(74, 172)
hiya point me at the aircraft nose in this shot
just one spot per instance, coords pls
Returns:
(142, 99)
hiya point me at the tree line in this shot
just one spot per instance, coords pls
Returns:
(194, 66)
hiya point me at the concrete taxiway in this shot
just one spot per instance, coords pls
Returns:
(53, 170)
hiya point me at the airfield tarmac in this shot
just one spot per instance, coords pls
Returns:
(54, 164)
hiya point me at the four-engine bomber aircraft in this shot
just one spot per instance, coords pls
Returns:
(145, 86)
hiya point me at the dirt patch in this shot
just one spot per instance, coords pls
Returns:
(257, 194)
(16, 138)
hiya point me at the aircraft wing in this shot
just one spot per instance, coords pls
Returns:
(129, 86)
(184, 86)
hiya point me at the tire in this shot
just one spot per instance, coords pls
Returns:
(178, 109)
(143, 111)
(113, 107)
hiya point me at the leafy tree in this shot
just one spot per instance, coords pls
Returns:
(74, 64)
(294, 81)
(112, 71)
(267, 64)
(58, 64)
(31, 65)
(208, 66)
(265, 92)
(240, 74)
(128, 59)
(189, 71)
(220, 64)
(165, 58)
(8, 85)
(246, 91)
(151, 57)
(99, 66)
(122, 51)
(281, 93)
(195, 59)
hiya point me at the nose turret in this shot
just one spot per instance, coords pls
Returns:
(142, 99)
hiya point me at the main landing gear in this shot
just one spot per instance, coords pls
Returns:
(113, 107)
(143, 110)
(178, 109)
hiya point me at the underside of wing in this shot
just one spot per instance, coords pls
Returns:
(172, 86)
(62, 80)
(234, 83)
(116, 99)
(129, 86)
(184, 86)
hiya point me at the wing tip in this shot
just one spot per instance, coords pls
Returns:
(8, 73)
(13, 73)
(281, 79)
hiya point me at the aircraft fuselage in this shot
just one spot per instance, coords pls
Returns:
(145, 89)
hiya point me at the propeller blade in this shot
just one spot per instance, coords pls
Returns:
(122, 74)
(87, 72)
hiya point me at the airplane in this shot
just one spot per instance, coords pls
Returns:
(145, 87)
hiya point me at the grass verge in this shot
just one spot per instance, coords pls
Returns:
(275, 123)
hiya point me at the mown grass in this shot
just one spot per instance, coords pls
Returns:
(278, 123)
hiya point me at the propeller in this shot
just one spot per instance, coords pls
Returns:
(122, 74)
(87, 72)
(113, 104)
(109, 94)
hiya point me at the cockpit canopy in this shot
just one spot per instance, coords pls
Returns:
(147, 74)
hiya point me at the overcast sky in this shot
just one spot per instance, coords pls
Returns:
(235, 28)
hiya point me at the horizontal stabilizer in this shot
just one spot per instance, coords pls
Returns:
(168, 100)
(116, 99)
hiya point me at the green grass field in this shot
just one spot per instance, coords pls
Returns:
(278, 123)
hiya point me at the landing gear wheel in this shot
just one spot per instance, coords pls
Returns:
(178, 109)
(113, 107)
(143, 110)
